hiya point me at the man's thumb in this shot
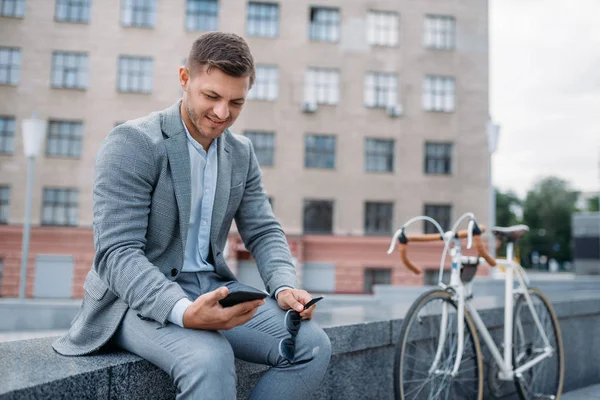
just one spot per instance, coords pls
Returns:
(220, 293)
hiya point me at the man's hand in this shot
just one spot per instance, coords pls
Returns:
(208, 314)
(296, 299)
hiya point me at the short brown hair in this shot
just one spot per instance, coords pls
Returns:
(227, 52)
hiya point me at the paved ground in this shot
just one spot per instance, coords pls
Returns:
(588, 393)
(12, 336)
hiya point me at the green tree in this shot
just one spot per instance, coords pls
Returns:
(593, 204)
(547, 211)
(505, 205)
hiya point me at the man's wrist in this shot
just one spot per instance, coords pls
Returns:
(281, 289)
(176, 315)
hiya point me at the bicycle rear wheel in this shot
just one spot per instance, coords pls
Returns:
(545, 379)
(417, 347)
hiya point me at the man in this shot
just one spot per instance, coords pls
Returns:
(166, 190)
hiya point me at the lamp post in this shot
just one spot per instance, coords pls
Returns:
(34, 130)
(492, 132)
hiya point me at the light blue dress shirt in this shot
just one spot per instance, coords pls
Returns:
(204, 184)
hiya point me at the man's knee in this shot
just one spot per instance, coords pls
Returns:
(211, 364)
(312, 343)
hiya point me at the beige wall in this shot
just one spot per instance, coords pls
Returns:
(101, 105)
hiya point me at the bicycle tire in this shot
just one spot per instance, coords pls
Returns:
(401, 349)
(554, 382)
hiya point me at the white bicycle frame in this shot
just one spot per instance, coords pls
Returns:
(463, 300)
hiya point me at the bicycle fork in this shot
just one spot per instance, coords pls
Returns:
(457, 285)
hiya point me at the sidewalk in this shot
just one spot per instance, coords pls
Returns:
(588, 393)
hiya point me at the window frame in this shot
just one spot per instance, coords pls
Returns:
(81, 70)
(446, 224)
(317, 156)
(5, 190)
(82, 9)
(263, 20)
(7, 135)
(436, 36)
(265, 89)
(143, 14)
(264, 149)
(146, 73)
(12, 67)
(439, 93)
(386, 31)
(320, 227)
(68, 206)
(372, 154)
(381, 213)
(445, 159)
(330, 27)
(199, 20)
(322, 86)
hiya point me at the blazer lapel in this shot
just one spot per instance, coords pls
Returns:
(223, 186)
(179, 160)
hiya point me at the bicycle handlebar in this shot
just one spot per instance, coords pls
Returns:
(433, 237)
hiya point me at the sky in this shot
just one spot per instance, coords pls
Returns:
(545, 92)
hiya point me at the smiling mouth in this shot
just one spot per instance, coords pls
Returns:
(216, 123)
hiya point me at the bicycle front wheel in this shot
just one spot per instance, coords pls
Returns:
(427, 350)
(545, 379)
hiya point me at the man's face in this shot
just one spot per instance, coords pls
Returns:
(212, 100)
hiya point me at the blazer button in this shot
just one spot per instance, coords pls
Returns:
(174, 272)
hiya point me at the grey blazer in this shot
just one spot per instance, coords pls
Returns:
(142, 194)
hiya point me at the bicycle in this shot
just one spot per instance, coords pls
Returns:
(438, 355)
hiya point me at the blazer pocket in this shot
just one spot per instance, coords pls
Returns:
(94, 286)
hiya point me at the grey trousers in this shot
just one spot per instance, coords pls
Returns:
(201, 362)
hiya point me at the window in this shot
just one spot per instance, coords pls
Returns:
(379, 155)
(266, 84)
(440, 32)
(64, 139)
(438, 93)
(438, 158)
(12, 8)
(135, 74)
(318, 216)
(381, 89)
(378, 218)
(382, 28)
(322, 86)
(377, 276)
(59, 207)
(1, 273)
(263, 19)
(7, 135)
(69, 70)
(4, 203)
(320, 151)
(202, 15)
(264, 146)
(324, 24)
(10, 65)
(441, 213)
(73, 10)
(138, 13)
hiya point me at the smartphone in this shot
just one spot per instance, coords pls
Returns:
(241, 296)
(313, 301)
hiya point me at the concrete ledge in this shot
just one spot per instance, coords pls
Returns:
(34, 314)
(363, 355)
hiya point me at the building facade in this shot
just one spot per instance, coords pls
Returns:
(363, 114)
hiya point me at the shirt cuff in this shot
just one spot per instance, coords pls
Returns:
(176, 315)
(280, 289)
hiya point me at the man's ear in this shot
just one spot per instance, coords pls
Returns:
(184, 77)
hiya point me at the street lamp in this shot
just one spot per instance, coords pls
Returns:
(34, 130)
(492, 132)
